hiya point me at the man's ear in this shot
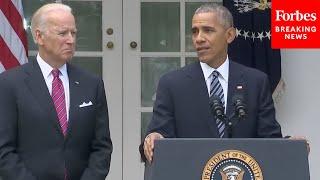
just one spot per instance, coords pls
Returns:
(38, 37)
(230, 34)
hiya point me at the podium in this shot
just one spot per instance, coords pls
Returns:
(223, 159)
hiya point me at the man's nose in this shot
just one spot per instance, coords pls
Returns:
(199, 37)
(71, 38)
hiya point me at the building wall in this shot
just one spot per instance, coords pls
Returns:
(299, 108)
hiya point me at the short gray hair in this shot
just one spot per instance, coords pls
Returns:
(223, 14)
(39, 18)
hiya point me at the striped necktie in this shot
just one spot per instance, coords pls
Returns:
(216, 89)
(59, 101)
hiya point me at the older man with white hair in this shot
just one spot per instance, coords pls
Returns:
(54, 118)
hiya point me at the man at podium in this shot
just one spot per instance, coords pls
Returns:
(189, 99)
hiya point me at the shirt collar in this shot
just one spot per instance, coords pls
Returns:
(46, 68)
(223, 70)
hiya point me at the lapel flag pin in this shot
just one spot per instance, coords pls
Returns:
(239, 87)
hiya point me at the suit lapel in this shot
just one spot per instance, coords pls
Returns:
(39, 91)
(74, 86)
(235, 79)
(195, 74)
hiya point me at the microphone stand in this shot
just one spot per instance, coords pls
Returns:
(227, 121)
(231, 122)
(229, 125)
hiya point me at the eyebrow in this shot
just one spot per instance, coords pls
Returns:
(66, 29)
(203, 27)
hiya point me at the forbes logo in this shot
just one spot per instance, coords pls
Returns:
(281, 15)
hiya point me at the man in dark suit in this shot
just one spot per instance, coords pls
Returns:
(182, 110)
(53, 116)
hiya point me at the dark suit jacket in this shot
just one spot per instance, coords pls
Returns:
(32, 146)
(181, 109)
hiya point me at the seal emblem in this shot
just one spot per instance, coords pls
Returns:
(232, 165)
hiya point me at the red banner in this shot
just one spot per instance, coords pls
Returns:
(295, 24)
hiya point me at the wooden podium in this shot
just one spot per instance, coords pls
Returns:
(223, 159)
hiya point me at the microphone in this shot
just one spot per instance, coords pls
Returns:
(240, 107)
(216, 107)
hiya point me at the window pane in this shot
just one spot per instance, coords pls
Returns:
(92, 64)
(190, 60)
(89, 23)
(160, 27)
(152, 69)
(88, 18)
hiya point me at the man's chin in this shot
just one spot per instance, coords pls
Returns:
(68, 57)
(203, 59)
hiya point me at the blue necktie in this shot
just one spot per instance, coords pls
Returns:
(216, 89)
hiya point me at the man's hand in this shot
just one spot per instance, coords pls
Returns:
(148, 144)
(301, 138)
